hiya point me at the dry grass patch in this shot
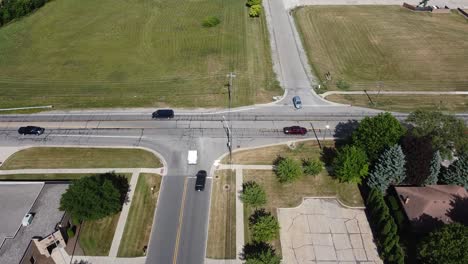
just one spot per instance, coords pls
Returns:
(56, 157)
(51, 177)
(140, 218)
(222, 228)
(406, 103)
(267, 155)
(96, 236)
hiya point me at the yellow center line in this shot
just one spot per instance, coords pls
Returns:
(181, 216)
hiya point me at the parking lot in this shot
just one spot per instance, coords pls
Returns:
(321, 230)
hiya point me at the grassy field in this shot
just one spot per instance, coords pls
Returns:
(55, 157)
(222, 228)
(135, 53)
(49, 177)
(267, 155)
(140, 218)
(386, 47)
(406, 103)
(290, 195)
(96, 236)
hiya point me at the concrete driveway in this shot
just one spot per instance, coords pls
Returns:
(321, 230)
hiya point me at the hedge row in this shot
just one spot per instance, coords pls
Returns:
(385, 228)
(13, 9)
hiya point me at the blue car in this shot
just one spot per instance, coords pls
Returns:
(297, 102)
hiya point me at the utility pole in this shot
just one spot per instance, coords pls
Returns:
(231, 76)
(228, 134)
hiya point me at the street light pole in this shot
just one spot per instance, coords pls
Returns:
(231, 76)
(228, 134)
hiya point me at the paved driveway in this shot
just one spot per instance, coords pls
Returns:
(320, 230)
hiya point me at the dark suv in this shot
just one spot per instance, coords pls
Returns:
(200, 181)
(164, 113)
(31, 130)
(295, 130)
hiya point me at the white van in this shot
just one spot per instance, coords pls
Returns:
(192, 157)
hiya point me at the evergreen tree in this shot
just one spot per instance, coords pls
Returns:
(457, 172)
(434, 169)
(389, 169)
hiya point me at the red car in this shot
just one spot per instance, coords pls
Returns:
(295, 130)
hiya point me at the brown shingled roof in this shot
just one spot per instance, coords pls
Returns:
(427, 206)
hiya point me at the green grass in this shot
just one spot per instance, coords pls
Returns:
(135, 53)
(222, 227)
(49, 177)
(406, 103)
(55, 157)
(96, 236)
(386, 47)
(140, 218)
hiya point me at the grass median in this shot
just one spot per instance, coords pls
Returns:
(75, 158)
(135, 53)
(222, 227)
(140, 217)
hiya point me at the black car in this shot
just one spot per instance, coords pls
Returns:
(164, 113)
(200, 181)
(31, 130)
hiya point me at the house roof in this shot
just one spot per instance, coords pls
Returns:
(434, 202)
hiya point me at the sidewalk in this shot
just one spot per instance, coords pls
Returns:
(396, 92)
(87, 170)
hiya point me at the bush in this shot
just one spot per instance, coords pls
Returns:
(12, 9)
(342, 84)
(288, 170)
(211, 21)
(260, 253)
(312, 167)
(253, 2)
(253, 194)
(264, 226)
(255, 10)
(70, 232)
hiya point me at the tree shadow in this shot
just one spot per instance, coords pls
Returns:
(459, 210)
(344, 130)
(251, 250)
(426, 223)
(257, 214)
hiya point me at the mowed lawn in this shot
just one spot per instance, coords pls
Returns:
(135, 53)
(140, 217)
(386, 47)
(75, 158)
(95, 237)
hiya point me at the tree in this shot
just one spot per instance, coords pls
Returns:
(457, 172)
(95, 197)
(312, 167)
(434, 169)
(448, 245)
(419, 154)
(253, 194)
(374, 134)
(288, 170)
(350, 164)
(260, 253)
(263, 225)
(446, 131)
(388, 170)
(255, 10)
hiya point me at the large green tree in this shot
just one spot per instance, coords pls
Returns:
(374, 134)
(288, 170)
(350, 164)
(388, 170)
(253, 194)
(448, 245)
(95, 197)
(263, 226)
(457, 172)
(260, 253)
(447, 132)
